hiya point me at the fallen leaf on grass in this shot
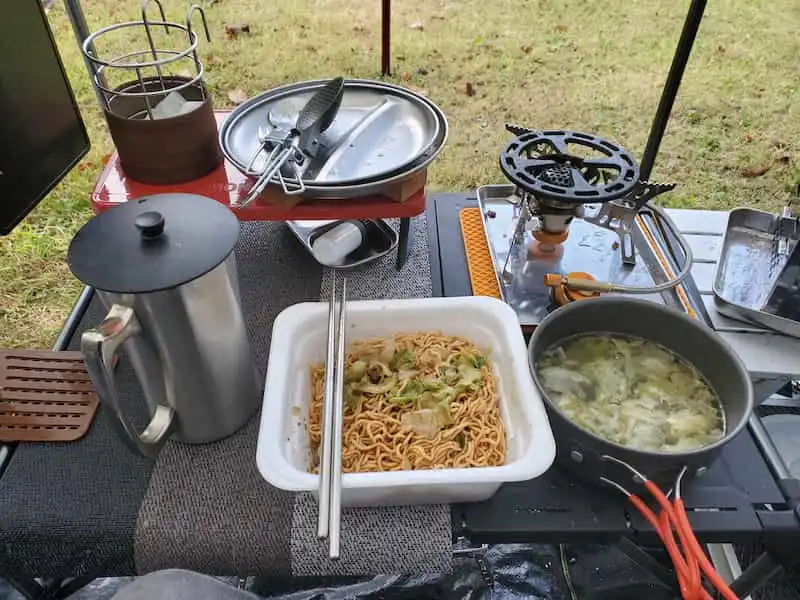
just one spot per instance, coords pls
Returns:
(748, 138)
(232, 31)
(237, 96)
(561, 28)
(754, 171)
(419, 26)
(470, 89)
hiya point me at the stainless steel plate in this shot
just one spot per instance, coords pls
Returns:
(379, 129)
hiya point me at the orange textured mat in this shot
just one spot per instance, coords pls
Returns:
(479, 260)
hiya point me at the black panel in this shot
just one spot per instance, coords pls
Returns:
(42, 135)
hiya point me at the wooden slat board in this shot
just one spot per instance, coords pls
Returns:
(44, 396)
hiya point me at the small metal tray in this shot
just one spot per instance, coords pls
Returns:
(380, 239)
(749, 267)
(589, 248)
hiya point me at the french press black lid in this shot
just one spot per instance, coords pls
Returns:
(153, 243)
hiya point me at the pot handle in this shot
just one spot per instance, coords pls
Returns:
(99, 347)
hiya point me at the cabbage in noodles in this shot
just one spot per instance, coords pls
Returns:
(632, 392)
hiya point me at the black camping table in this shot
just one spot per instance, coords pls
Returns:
(79, 502)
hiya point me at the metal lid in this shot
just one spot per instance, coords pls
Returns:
(154, 243)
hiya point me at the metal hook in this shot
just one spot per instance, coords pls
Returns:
(679, 481)
(190, 14)
(145, 3)
(641, 477)
(150, 41)
(192, 36)
(615, 485)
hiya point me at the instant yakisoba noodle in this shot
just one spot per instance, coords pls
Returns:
(414, 401)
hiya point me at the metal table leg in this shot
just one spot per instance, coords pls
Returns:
(386, 37)
(403, 242)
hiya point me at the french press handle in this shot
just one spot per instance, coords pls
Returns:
(99, 347)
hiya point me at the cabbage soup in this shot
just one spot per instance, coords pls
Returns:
(632, 392)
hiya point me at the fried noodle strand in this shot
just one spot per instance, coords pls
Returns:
(373, 439)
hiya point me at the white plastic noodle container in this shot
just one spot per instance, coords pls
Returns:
(299, 338)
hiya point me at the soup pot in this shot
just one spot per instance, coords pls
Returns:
(584, 453)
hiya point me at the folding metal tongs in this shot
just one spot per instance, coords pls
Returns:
(314, 118)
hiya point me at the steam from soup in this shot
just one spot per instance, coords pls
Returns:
(632, 392)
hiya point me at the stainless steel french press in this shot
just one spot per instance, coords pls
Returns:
(165, 269)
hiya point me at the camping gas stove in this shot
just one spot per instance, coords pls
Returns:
(574, 222)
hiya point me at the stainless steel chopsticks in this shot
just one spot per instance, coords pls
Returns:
(330, 480)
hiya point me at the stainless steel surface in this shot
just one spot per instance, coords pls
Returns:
(748, 268)
(99, 347)
(190, 352)
(769, 357)
(379, 241)
(323, 525)
(382, 134)
(330, 498)
(588, 248)
(139, 64)
(338, 425)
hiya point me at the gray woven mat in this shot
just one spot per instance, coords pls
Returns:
(408, 539)
(208, 509)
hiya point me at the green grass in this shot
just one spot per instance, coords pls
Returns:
(590, 66)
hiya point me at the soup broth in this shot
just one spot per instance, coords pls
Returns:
(632, 392)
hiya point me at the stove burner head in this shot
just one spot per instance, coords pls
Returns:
(567, 168)
(560, 175)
